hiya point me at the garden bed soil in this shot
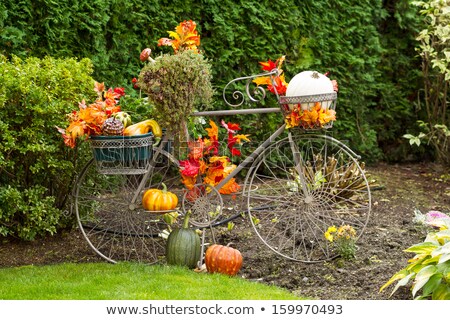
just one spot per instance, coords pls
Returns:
(400, 190)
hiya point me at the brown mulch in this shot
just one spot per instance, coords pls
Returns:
(402, 189)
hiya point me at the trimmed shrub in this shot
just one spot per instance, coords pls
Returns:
(36, 169)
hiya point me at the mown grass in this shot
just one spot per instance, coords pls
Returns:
(128, 281)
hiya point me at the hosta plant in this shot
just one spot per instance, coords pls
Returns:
(429, 269)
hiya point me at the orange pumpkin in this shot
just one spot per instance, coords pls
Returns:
(223, 259)
(159, 200)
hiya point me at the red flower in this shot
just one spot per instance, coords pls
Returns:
(231, 142)
(119, 92)
(135, 85)
(269, 65)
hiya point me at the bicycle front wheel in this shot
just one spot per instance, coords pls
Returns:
(298, 188)
(114, 226)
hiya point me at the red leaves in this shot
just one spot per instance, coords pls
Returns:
(190, 167)
(269, 65)
(204, 159)
(275, 83)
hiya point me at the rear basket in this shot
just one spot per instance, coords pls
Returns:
(309, 112)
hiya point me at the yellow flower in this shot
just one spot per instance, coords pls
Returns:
(329, 233)
(347, 232)
(329, 236)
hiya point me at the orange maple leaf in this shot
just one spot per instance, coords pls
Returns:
(110, 98)
(99, 88)
(292, 120)
(317, 107)
(330, 115)
(309, 118)
(76, 129)
(213, 131)
(230, 187)
(188, 181)
(196, 148)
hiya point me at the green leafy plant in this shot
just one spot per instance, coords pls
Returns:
(429, 269)
(437, 135)
(36, 170)
(435, 53)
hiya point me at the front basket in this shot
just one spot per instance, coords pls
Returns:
(122, 154)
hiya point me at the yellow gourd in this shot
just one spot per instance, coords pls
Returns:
(143, 127)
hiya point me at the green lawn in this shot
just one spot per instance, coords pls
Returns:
(100, 281)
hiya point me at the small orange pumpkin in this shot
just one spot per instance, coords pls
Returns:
(159, 200)
(223, 259)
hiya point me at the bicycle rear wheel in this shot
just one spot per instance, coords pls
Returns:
(300, 186)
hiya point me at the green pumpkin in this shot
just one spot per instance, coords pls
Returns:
(183, 246)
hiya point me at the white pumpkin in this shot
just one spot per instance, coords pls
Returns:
(308, 83)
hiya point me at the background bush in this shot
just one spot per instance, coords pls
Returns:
(36, 169)
(368, 46)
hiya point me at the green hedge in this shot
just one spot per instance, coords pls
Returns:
(36, 169)
(367, 45)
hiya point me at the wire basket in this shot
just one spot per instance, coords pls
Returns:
(122, 154)
(309, 112)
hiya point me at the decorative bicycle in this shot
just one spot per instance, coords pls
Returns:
(299, 183)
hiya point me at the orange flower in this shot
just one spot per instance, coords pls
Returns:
(184, 37)
(204, 160)
(275, 84)
(213, 132)
(88, 120)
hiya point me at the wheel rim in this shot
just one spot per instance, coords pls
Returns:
(204, 203)
(292, 223)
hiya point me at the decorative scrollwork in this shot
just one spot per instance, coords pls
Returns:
(257, 94)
